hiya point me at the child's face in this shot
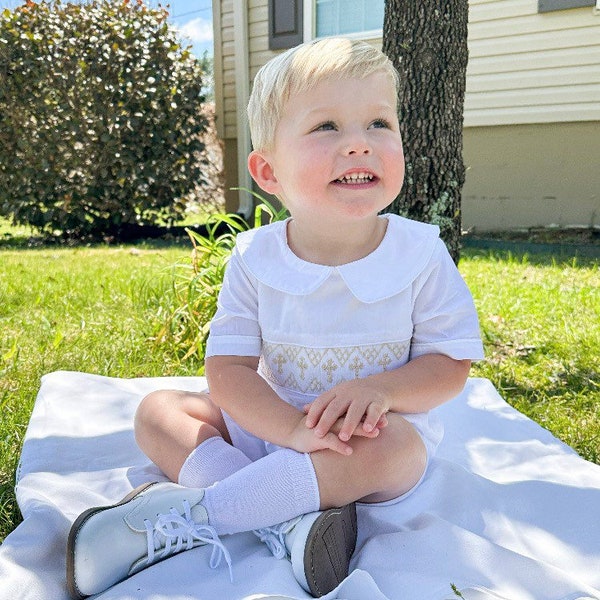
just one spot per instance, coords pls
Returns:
(337, 153)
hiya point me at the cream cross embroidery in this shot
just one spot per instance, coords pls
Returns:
(329, 367)
(302, 365)
(280, 360)
(356, 365)
(313, 370)
(384, 362)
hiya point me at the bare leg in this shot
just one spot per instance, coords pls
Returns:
(169, 424)
(379, 469)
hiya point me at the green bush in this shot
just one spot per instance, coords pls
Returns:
(100, 117)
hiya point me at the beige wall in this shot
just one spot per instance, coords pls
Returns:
(531, 175)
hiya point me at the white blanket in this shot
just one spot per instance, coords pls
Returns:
(506, 512)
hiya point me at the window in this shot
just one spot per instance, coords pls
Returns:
(550, 5)
(339, 17)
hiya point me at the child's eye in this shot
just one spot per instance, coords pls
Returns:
(380, 124)
(327, 126)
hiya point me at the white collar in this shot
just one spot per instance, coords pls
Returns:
(406, 248)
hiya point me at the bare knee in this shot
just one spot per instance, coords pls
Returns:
(151, 413)
(379, 469)
(164, 409)
(169, 424)
(401, 457)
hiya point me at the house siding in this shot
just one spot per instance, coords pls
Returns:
(258, 42)
(259, 36)
(225, 69)
(526, 67)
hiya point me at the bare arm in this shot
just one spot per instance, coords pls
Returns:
(236, 387)
(418, 386)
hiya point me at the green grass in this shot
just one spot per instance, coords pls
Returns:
(85, 309)
(98, 309)
(540, 322)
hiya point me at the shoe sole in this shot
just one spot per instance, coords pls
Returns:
(74, 532)
(330, 544)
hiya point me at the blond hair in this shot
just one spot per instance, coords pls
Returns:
(301, 68)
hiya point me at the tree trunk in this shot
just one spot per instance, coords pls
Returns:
(427, 42)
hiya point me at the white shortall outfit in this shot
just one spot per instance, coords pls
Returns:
(314, 326)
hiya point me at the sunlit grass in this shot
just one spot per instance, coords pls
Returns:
(83, 309)
(540, 322)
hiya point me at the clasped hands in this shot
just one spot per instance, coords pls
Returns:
(350, 409)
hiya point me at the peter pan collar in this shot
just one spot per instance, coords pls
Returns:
(406, 248)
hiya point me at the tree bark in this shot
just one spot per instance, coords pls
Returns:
(427, 42)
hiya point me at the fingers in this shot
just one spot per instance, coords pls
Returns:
(315, 409)
(352, 422)
(334, 443)
(324, 412)
(360, 432)
(359, 416)
(375, 417)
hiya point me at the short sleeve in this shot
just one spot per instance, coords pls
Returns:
(444, 315)
(234, 330)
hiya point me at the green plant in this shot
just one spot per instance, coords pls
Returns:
(184, 326)
(196, 285)
(100, 117)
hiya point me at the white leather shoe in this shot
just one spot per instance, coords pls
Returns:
(110, 543)
(319, 546)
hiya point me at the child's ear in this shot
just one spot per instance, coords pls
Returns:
(262, 172)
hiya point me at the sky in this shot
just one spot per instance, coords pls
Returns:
(192, 18)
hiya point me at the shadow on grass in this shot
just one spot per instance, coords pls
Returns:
(36, 242)
(534, 252)
(583, 255)
(131, 235)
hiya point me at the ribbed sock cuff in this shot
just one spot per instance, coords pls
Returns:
(211, 461)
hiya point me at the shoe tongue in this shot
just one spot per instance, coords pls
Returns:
(199, 514)
(289, 530)
(150, 506)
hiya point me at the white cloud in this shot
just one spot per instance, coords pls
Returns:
(197, 30)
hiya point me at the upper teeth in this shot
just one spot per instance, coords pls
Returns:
(356, 178)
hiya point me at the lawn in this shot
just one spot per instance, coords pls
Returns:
(98, 309)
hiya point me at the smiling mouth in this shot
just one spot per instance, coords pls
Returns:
(356, 178)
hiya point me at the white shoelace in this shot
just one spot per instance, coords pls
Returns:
(173, 533)
(274, 537)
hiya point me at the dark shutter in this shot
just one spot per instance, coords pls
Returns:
(550, 5)
(285, 23)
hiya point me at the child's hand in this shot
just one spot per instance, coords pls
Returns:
(359, 430)
(361, 407)
(303, 439)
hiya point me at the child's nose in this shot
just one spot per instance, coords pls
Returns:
(357, 143)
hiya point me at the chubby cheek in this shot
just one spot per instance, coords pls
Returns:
(397, 165)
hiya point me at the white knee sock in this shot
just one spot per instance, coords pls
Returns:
(273, 489)
(213, 460)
